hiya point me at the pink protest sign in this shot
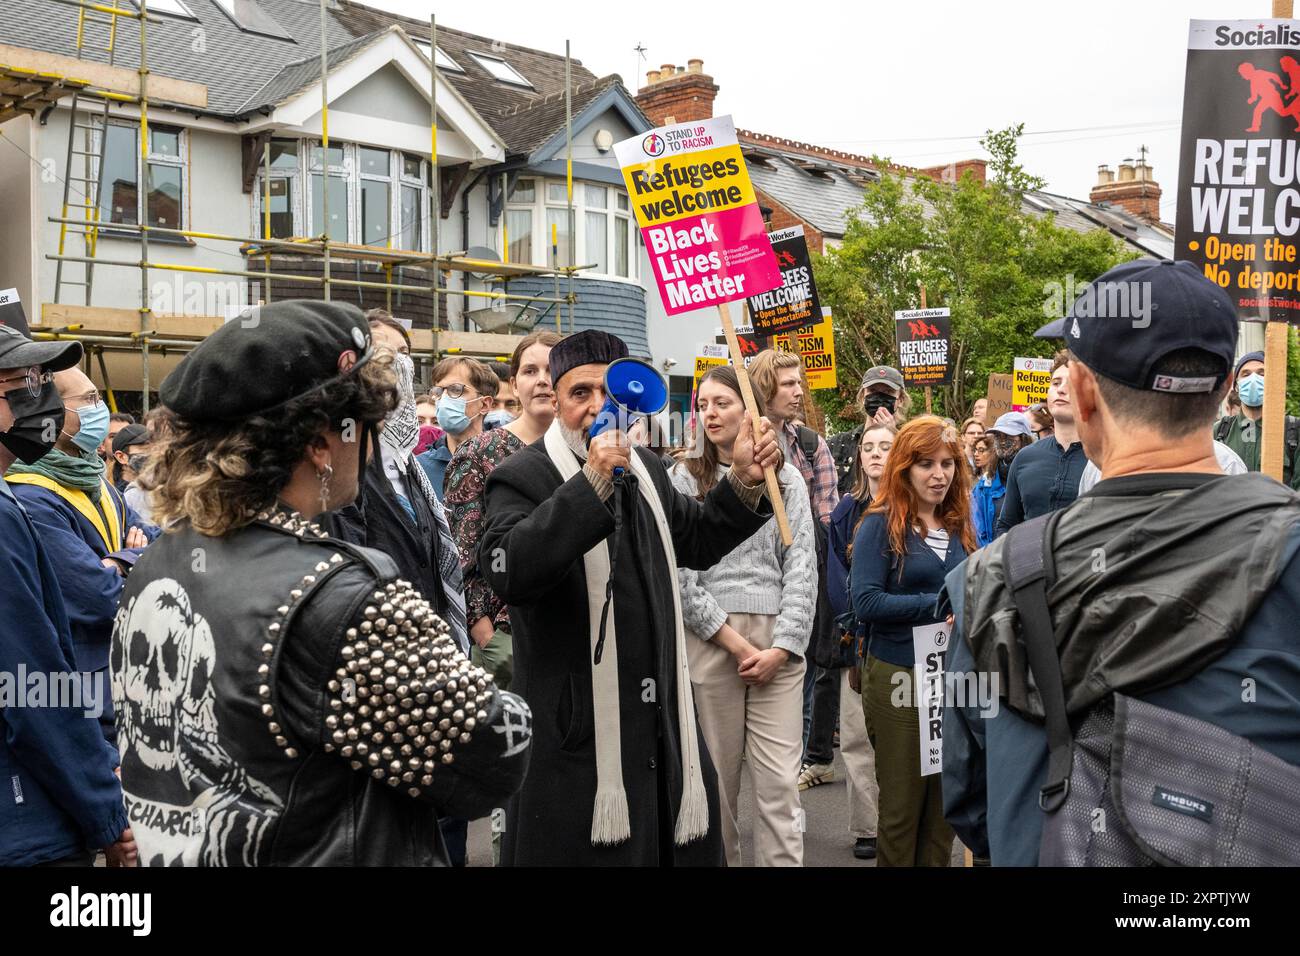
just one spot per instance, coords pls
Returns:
(698, 215)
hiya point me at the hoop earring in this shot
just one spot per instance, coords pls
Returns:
(324, 476)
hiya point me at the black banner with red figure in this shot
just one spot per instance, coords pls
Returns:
(923, 337)
(793, 304)
(1238, 216)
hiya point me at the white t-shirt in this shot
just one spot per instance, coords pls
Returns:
(1229, 461)
(937, 540)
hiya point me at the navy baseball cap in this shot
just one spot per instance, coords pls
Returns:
(1135, 314)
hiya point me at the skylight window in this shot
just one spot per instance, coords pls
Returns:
(444, 61)
(500, 69)
(251, 18)
(170, 7)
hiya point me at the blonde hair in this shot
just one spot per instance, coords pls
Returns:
(765, 369)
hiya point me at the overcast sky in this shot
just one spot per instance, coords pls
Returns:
(919, 82)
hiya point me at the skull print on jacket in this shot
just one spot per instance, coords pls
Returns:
(283, 699)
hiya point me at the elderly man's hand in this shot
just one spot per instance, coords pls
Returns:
(750, 457)
(135, 538)
(609, 450)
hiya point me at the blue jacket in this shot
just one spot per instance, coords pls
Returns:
(58, 794)
(839, 535)
(435, 462)
(1044, 477)
(986, 505)
(890, 602)
(995, 761)
(90, 590)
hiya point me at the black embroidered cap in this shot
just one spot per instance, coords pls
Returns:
(267, 356)
(588, 347)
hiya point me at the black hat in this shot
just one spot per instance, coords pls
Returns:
(267, 356)
(1135, 314)
(130, 435)
(18, 351)
(588, 347)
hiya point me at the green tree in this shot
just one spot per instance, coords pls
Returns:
(999, 268)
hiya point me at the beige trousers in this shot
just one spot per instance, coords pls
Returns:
(763, 723)
(859, 762)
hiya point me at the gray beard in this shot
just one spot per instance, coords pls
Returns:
(576, 439)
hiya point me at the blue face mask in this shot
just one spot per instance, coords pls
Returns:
(497, 418)
(451, 415)
(1251, 390)
(94, 427)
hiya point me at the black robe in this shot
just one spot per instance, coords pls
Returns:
(536, 531)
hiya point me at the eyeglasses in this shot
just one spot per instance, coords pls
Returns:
(455, 390)
(86, 400)
(33, 379)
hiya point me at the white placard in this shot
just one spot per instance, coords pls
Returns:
(930, 644)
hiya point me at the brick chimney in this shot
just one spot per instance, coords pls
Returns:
(1134, 189)
(677, 94)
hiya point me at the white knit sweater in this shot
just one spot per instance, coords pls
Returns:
(760, 576)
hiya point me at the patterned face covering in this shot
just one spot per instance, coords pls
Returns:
(402, 427)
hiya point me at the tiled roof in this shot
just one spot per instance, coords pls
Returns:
(526, 127)
(502, 105)
(246, 71)
(825, 193)
(304, 74)
(232, 64)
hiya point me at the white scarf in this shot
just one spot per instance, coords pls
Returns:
(610, 823)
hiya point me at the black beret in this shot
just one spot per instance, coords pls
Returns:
(588, 347)
(267, 356)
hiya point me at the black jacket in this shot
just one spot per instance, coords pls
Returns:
(378, 520)
(281, 700)
(536, 531)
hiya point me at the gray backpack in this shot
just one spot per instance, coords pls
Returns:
(1133, 784)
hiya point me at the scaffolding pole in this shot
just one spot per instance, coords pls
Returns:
(145, 310)
(324, 149)
(568, 173)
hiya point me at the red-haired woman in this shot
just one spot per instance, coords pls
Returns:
(917, 530)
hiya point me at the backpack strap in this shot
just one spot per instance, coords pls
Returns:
(1024, 556)
(808, 443)
(1223, 428)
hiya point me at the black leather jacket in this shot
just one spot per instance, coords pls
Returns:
(283, 699)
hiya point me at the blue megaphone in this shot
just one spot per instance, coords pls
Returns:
(633, 389)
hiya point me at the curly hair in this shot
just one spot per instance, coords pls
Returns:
(219, 475)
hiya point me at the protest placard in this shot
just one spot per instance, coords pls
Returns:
(793, 304)
(930, 645)
(702, 226)
(1030, 378)
(815, 344)
(706, 357)
(923, 337)
(1238, 211)
(11, 311)
(999, 396)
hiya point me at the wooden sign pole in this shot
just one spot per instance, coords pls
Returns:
(751, 406)
(1275, 339)
(929, 393)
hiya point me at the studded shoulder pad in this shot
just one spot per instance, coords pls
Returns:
(403, 698)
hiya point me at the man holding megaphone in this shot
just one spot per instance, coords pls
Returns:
(582, 539)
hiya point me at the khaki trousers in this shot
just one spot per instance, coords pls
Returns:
(763, 723)
(859, 762)
(912, 830)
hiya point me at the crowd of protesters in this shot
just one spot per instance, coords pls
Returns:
(543, 553)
